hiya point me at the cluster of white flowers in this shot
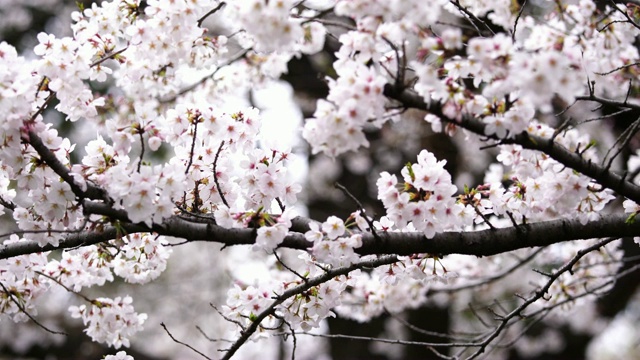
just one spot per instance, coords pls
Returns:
(81, 268)
(308, 309)
(21, 284)
(305, 310)
(18, 99)
(120, 355)
(425, 200)
(110, 321)
(268, 237)
(330, 246)
(141, 259)
(276, 30)
(542, 188)
(167, 35)
(355, 98)
(66, 63)
(372, 295)
(408, 12)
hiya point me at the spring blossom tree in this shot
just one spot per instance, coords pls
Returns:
(492, 73)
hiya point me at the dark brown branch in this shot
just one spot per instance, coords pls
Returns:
(609, 102)
(556, 151)
(215, 175)
(52, 161)
(479, 243)
(7, 204)
(502, 274)
(211, 12)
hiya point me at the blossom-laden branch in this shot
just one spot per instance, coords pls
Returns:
(604, 176)
(538, 294)
(479, 243)
(49, 158)
(310, 283)
(483, 341)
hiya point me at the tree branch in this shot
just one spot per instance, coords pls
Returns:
(52, 161)
(479, 243)
(602, 175)
(246, 334)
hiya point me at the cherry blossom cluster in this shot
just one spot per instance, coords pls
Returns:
(544, 189)
(120, 355)
(517, 75)
(142, 258)
(146, 192)
(81, 268)
(18, 99)
(308, 309)
(374, 293)
(272, 229)
(276, 30)
(305, 310)
(244, 304)
(199, 136)
(44, 202)
(407, 12)
(425, 199)
(64, 65)
(166, 34)
(355, 98)
(21, 284)
(26, 278)
(110, 321)
(330, 246)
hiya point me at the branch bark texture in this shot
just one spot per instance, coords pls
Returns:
(479, 243)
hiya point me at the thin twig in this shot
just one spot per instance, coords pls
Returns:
(211, 12)
(498, 276)
(227, 318)
(24, 311)
(141, 132)
(515, 24)
(275, 253)
(235, 58)
(193, 145)
(182, 343)
(215, 174)
(623, 140)
(537, 295)
(360, 207)
(110, 56)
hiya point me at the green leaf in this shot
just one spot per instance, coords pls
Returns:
(411, 173)
(631, 219)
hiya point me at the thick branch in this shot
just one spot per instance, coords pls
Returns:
(478, 243)
(602, 175)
